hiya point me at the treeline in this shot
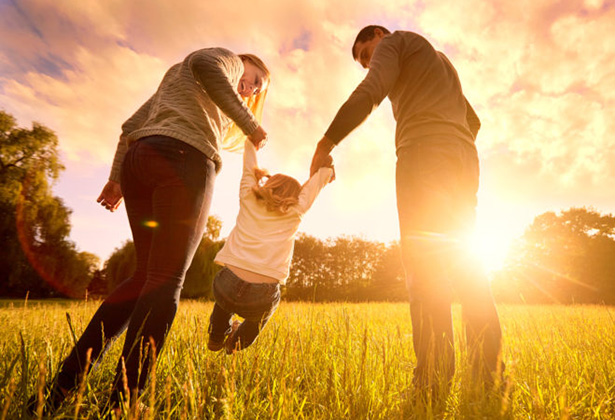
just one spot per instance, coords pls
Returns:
(561, 258)
(566, 257)
(345, 268)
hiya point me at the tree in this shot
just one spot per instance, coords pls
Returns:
(564, 258)
(344, 268)
(213, 228)
(37, 256)
(98, 286)
(120, 265)
(309, 277)
(353, 262)
(389, 278)
(199, 277)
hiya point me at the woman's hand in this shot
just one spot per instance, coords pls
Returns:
(258, 137)
(111, 196)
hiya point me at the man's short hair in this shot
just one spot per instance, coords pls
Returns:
(367, 34)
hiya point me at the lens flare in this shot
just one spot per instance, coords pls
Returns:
(150, 224)
(47, 268)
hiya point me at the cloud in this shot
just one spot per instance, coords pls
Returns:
(542, 78)
(541, 75)
(86, 104)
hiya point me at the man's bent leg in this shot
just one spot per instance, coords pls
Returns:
(481, 320)
(430, 310)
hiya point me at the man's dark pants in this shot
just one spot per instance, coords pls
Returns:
(436, 183)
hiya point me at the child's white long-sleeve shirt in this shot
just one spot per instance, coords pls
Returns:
(262, 241)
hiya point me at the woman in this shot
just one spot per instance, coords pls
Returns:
(164, 168)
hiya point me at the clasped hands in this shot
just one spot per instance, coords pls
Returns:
(322, 157)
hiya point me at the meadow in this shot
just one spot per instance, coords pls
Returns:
(321, 361)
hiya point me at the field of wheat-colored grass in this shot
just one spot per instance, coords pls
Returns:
(321, 361)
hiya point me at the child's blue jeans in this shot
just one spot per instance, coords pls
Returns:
(255, 302)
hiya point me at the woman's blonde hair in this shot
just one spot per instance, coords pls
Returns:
(235, 137)
(257, 62)
(279, 193)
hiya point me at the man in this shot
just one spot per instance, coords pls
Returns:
(436, 184)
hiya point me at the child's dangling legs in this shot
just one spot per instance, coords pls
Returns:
(219, 327)
(255, 302)
(244, 334)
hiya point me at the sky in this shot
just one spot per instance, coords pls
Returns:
(539, 73)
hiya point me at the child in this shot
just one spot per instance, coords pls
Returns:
(257, 254)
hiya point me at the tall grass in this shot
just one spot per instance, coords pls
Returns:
(321, 361)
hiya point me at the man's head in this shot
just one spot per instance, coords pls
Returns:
(365, 43)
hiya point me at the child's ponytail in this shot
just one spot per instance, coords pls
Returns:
(279, 192)
(260, 173)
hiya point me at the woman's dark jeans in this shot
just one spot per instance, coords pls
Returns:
(167, 187)
(255, 302)
(437, 181)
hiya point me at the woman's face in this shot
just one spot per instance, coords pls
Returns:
(253, 81)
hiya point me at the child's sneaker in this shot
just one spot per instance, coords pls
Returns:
(230, 347)
(215, 345)
(53, 397)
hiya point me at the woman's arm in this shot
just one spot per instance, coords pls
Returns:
(212, 69)
(133, 123)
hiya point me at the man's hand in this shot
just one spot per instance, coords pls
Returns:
(329, 164)
(322, 156)
(111, 196)
(258, 138)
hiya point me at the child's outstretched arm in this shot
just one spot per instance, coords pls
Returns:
(248, 178)
(315, 184)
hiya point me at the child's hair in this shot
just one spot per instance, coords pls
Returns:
(279, 193)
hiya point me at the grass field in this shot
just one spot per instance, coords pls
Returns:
(329, 361)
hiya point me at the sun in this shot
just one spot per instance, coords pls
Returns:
(491, 244)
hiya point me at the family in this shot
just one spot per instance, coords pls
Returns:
(164, 170)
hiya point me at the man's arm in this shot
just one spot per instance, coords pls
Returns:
(472, 119)
(383, 72)
(380, 79)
